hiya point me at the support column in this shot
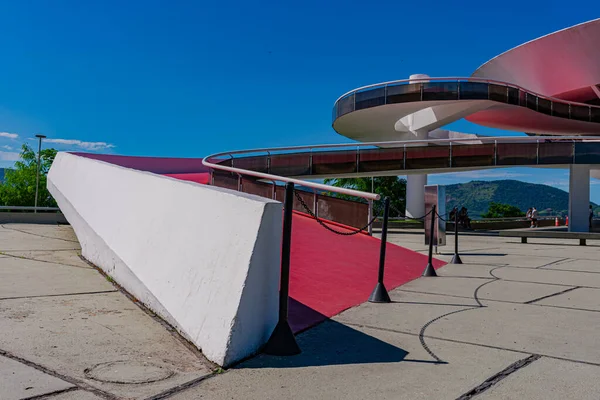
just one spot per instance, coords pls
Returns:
(415, 195)
(579, 198)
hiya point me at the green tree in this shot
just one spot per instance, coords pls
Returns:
(499, 210)
(391, 186)
(18, 188)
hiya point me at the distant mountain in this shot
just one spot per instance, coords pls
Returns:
(477, 195)
(2, 172)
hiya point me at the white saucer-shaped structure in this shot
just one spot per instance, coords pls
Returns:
(548, 86)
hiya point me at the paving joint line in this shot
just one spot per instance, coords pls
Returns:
(180, 388)
(494, 379)
(73, 381)
(38, 235)
(553, 263)
(503, 301)
(43, 261)
(52, 394)
(57, 295)
(595, 364)
(552, 295)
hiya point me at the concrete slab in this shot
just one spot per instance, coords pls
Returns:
(11, 239)
(519, 292)
(557, 332)
(23, 278)
(408, 312)
(19, 381)
(88, 336)
(577, 266)
(548, 379)
(466, 270)
(339, 362)
(446, 285)
(60, 232)
(582, 298)
(549, 276)
(64, 257)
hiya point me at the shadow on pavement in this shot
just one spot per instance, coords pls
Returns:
(333, 343)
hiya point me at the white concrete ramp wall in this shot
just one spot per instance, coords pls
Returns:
(205, 259)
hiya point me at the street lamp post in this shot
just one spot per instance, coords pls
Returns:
(37, 175)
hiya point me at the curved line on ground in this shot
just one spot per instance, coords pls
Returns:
(478, 306)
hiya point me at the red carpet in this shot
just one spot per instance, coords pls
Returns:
(330, 273)
(199, 177)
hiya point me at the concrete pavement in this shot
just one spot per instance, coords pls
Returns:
(67, 330)
(514, 321)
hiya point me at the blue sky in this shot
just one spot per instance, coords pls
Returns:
(189, 78)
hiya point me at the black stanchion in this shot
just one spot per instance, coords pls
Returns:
(456, 259)
(282, 341)
(429, 270)
(380, 294)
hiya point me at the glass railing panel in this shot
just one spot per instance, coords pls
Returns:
(475, 91)
(595, 114)
(308, 198)
(472, 155)
(531, 101)
(581, 113)
(254, 163)
(544, 106)
(290, 164)
(440, 91)
(252, 186)
(555, 152)
(498, 93)
(225, 180)
(369, 98)
(513, 96)
(560, 109)
(334, 162)
(522, 98)
(403, 93)
(347, 212)
(427, 157)
(587, 153)
(345, 105)
(516, 154)
(374, 160)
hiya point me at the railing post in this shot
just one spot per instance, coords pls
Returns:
(380, 294)
(370, 217)
(456, 259)
(429, 270)
(282, 341)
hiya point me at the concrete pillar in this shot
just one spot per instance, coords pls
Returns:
(415, 184)
(579, 198)
(415, 195)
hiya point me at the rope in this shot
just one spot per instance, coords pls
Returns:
(324, 225)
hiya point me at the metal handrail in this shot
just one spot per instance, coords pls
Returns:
(208, 161)
(458, 80)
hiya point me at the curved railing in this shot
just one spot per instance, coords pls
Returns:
(453, 89)
(294, 164)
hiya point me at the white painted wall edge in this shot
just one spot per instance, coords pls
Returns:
(208, 262)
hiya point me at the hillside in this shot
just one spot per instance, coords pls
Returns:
(477, 195)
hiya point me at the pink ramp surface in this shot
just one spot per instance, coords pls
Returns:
(330, 273)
